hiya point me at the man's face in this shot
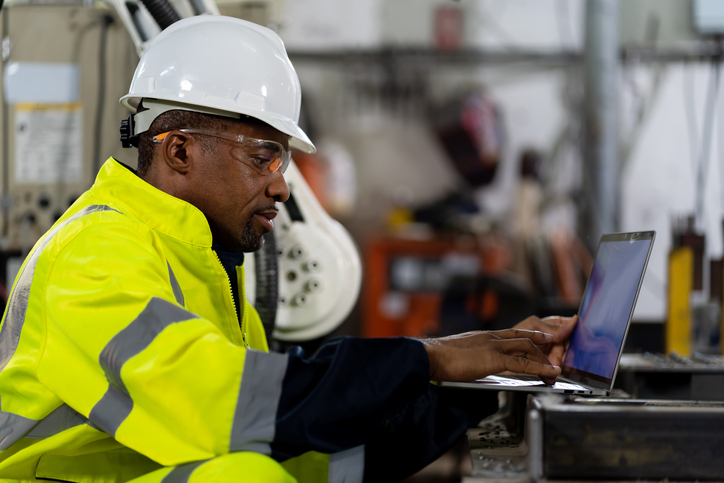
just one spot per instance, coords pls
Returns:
(238, 202)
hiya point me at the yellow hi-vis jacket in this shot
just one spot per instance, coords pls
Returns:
(120, 348)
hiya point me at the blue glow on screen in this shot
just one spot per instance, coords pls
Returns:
(607, 306)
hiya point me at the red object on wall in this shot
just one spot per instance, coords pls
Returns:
(392, 310)
(315, 174)
(448, 27)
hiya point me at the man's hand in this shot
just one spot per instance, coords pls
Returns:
(473, 355)
(560, 328)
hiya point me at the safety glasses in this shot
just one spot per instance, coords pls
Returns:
(264, 156)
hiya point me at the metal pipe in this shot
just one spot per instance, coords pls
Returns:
(601, 177)
(473, 57)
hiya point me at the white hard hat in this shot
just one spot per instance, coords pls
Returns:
(219, 65)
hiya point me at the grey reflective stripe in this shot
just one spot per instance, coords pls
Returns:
(113, 408)
(347, 466)
(18, 302)
(175, 286)
(155, 317)
(12, 426)
(64, 417)
(256, 408)
(115, 405)
(181, 473)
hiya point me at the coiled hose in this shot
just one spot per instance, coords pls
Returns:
(267, 285)
(162, 12)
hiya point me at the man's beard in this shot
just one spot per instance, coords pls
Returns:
(250, 240)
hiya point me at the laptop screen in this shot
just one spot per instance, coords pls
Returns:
(607, 307)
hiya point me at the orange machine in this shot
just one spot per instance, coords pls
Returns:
(405, 280)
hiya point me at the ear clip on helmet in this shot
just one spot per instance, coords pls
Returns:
(128, 138)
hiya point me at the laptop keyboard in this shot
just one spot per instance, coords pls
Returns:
(525, 380)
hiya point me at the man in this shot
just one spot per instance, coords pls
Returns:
(128, 350)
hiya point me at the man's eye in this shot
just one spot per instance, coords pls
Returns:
(261, 161)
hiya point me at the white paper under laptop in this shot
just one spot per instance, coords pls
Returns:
(607, 306)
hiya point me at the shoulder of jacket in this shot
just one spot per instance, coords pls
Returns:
(101, 223)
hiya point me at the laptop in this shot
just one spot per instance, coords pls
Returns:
(608, 303)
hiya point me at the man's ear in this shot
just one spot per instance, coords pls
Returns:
(178, 150)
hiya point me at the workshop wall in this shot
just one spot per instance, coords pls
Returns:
(416, 171)
(371, 114)
(660, 125)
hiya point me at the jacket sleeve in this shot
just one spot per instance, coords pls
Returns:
(167, 383)
(427, 428)
(345, 395)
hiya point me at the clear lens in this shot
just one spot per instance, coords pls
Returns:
(265, 156)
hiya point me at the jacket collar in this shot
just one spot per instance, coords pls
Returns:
(159, 210)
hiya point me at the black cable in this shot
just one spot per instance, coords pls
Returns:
(6, 142)
(106, 21)
(162, 12)
(266, 271)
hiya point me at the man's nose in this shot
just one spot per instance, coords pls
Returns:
(278, 188)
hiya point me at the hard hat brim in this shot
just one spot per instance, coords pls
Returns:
(298, 138)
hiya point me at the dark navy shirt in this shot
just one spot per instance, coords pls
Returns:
(230, 259)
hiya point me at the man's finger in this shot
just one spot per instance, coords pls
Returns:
(560, 326)
(522, 355)
(521, 347)
(556, 354)
(528, 366)
(538, 338)
(565, 329)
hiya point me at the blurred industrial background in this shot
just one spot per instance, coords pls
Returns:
(475, 149)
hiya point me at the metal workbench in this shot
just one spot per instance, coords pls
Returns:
(552, 438)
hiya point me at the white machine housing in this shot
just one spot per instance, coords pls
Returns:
(143, 28)
(320, 272)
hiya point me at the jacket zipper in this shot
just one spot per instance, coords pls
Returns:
(239, 318)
